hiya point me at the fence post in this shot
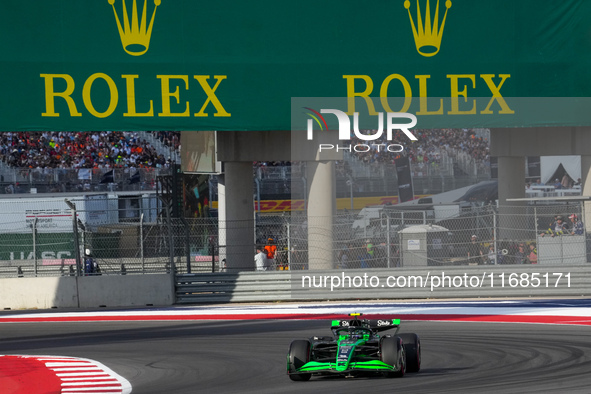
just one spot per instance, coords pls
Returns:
(254, 222)
(305, 182)
(212, 252)
(187, 244)
(388, 245)
(400, 252)
(76, 240)
(82, 239)
(585, 233)
(35, 244)
(350, 183)
(495, 236)
(142, 243)
(210, 187)
(288, 245)
(170, 240)
(536, 219)
(258, 196)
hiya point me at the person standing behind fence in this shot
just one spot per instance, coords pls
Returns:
(260, 260)
(475, 254)
(91, 267)
(492, 256)
(578, 227)
(557, 228)
(532, 257)
(271, 250)
(369, 255)
(520, 257)
(343, 258)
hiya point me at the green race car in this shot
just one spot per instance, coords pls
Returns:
(356, 348)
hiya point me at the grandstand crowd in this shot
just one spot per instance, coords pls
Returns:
(106, 150)
(427, 149)
(170, 139)
(40, 150)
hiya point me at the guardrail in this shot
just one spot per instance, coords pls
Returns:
(417, 283)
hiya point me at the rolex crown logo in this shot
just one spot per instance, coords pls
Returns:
(427, 34)
(135, 37)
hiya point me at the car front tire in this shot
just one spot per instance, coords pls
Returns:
(412, 347)
(298, 356)
(392, 353)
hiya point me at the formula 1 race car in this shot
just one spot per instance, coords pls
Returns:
(356, 349)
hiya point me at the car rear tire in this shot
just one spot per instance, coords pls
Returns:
(392, 353)
(412, 347)
(298, 356)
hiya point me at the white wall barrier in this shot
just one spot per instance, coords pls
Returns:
(86, 291)
(38, 293)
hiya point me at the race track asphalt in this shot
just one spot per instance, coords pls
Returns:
(250, 356)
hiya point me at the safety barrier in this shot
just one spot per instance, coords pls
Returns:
(400, 283)
(86, 291)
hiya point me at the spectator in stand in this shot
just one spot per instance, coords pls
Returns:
(98, 150)
(492, 256)
(520, 256)
(577, 226)
(532, 256)
(426, 152)
(566, 182)
(172, 139)
(557, 184)
(558, 227)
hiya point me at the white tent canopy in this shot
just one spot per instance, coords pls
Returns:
(423, 228)
(549, 165)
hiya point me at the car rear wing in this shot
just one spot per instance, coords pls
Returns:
(374, 325)
(384, 324)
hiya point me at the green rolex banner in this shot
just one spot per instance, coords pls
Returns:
(235, 65)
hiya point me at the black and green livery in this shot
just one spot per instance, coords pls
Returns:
(356, 348)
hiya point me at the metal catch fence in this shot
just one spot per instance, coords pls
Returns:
(50, 238)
